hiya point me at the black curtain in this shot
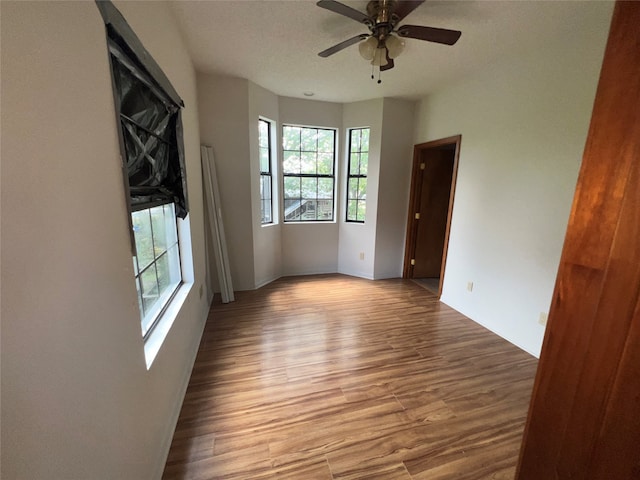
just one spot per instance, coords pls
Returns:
(149, 112)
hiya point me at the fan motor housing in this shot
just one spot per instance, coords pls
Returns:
(381, 14)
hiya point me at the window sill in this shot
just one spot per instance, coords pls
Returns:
(155, 340)
(312, 222)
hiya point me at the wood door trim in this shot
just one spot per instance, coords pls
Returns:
(414, 196)
(452, 194)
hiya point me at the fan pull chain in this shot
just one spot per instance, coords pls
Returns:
(373, 76)
(379, 73)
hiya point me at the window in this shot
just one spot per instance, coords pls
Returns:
(157, 263)
(149, 121)
(266, 183)
(357, 174)
(308, 165)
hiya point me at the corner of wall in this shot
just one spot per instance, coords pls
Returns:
(396, 154)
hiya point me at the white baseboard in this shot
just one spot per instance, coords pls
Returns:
(352, 273)
(172, 421)
(308, 272)
(262, 283)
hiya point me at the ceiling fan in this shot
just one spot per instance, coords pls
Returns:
(385, 40)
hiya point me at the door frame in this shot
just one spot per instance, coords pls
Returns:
(414, 203)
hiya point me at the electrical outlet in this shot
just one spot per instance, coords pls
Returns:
(470, 286)
(542, 319)
(361, 255)
(201, 290)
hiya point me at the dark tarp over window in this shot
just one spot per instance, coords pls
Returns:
(150, 120)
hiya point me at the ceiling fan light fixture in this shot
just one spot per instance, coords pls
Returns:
(386, 38)
(395, 46)
(380, 57)
(368, 48)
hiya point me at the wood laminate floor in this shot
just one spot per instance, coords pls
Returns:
(431, 284)
(334, 377)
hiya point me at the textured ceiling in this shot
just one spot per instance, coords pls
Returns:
(274, 43)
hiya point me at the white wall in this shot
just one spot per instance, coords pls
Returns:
(224, 120)
(267, 239)
(357, 238)
(77, 398)
(311, 247)
(395, 178)
(523, 124)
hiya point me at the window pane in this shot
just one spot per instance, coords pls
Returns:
(164, 277)
(171, 227)
(291, 138)
(142, 233)
(362, 188)
(353, 188)
(309, 139)
(263, 134)
(292, 187)
(292, 209)
(325, 141)
(355, 140)
(139, 291)
(291, 163)
(175, 272)
(364, 142)
(266, 212)
(264, 160)
(364, 163)
(149, 287)
(309, 187)
(325, 188)
(352, 208)
(354, 164)
(159, 230)
(168, 274)
(325, 164)
(309, 210)
(362, 205)
(308, 163)
(265, 187)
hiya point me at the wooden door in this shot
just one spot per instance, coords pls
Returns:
(584, 419)
(433, 207)
(433, 180)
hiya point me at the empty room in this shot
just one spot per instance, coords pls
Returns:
(291, 239)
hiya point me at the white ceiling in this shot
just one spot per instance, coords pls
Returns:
(274, 43)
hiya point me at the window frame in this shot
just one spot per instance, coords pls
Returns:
(358, 177)
(166, 296)
(266, 174)
(316, 175)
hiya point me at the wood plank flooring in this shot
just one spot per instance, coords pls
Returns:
(335, 377)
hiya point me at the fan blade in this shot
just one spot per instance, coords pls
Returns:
(342, 45)
(389, 64)
(430, 34)
(343, 9)
(405, 7)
